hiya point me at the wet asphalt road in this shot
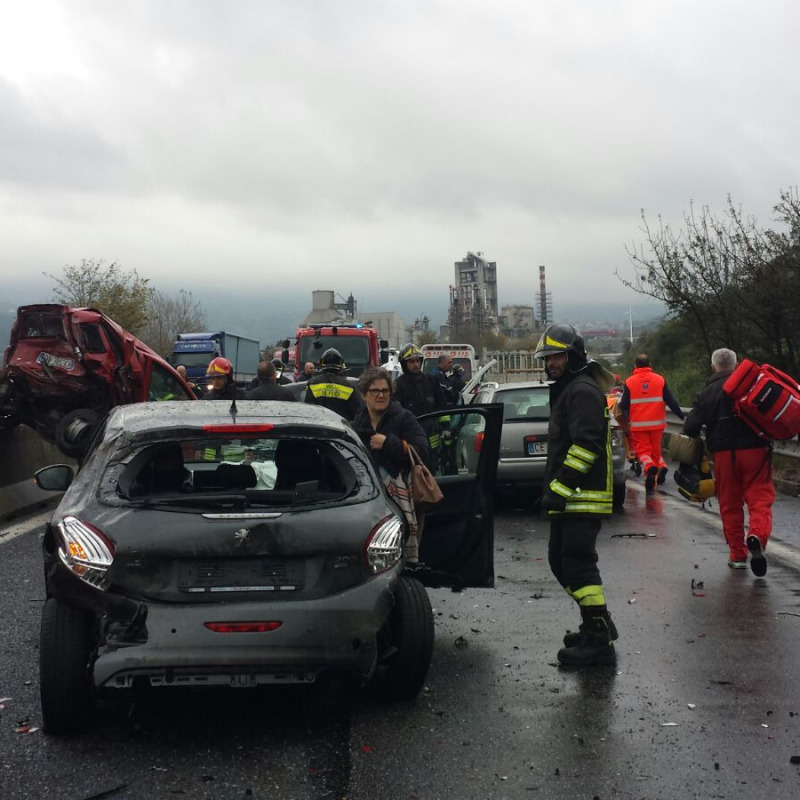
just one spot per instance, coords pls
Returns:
(704, 702)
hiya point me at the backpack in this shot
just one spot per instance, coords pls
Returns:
(765, 399)
(696, 481)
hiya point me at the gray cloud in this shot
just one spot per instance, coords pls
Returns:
(353, 145)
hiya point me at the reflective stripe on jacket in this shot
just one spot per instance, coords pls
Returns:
(647, 409)
(579, 446)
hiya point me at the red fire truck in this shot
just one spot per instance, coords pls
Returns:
(357, 342)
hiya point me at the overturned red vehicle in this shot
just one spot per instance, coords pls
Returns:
(64, 368)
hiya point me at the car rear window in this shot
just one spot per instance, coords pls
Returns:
(533, 404)
(243, 473)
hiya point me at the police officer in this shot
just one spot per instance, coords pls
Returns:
(578, 489)
(330, 388)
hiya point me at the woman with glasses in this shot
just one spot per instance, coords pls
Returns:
(387, 429)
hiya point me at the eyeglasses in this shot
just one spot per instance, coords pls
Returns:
(377, 392)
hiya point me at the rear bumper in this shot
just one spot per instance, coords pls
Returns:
(521, 471)
(332, 633)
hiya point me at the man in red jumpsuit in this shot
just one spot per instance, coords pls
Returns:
(644, 400)
(742, 468)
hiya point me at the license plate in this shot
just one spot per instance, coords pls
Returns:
(537, 448)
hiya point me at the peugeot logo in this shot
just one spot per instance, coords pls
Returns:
(242, 537)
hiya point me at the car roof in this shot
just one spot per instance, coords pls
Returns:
(138, 418)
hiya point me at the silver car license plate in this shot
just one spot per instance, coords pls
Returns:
(537, 448)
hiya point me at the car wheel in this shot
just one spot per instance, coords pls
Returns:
(75, 430)
(618, 499)
(65, 683)
(410, 633)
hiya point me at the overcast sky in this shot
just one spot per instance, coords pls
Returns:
(365, 145)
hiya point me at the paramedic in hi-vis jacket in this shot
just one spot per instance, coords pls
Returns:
(578, 488)
(742, 467)
(644, 401)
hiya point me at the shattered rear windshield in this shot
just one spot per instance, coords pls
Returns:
(216, 472)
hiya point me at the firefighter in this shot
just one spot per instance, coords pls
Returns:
(578, 487)
(330, 388)
(447, 455)
(420, 394)
(220, 375)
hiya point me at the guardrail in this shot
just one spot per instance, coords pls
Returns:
(22, 452)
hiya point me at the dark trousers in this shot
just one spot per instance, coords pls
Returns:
(572, 553)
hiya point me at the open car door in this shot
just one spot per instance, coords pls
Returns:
(457, 545)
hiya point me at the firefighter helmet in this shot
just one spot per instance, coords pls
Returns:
(331, 361)
(410, 351)
(279, 366)
(219, 367)
(561, 338)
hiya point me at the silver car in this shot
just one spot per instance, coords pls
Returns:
(207, 543)
(523, 443)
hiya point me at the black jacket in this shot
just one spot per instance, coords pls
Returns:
(398, 425)
(270, 391)
(714, 409)
(230, 392)
(419, 393)
(446, 388)
(579, 444)
(334, 392)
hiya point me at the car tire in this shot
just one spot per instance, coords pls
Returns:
(65, 684)
(618, 498)
(75, 430)
(410, 631)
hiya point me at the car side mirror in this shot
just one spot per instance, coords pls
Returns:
(384, 343)
(55, 478)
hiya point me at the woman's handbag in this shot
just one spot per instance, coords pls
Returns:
(424, 489)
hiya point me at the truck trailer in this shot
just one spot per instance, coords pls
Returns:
(195, 350)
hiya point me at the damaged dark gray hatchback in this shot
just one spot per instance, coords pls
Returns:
(198, 547)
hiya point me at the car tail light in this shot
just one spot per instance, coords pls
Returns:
(243, 627)
(477, 443)
(85, 552)
(228, 428)
(385, 544)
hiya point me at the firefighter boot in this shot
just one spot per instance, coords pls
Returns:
(572, 638)
(595, 646)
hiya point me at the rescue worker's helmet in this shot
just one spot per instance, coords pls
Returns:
(409, 351)
(219, 367)
(331, 361)
(562, 338)
(279, 366)
(458, 369)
